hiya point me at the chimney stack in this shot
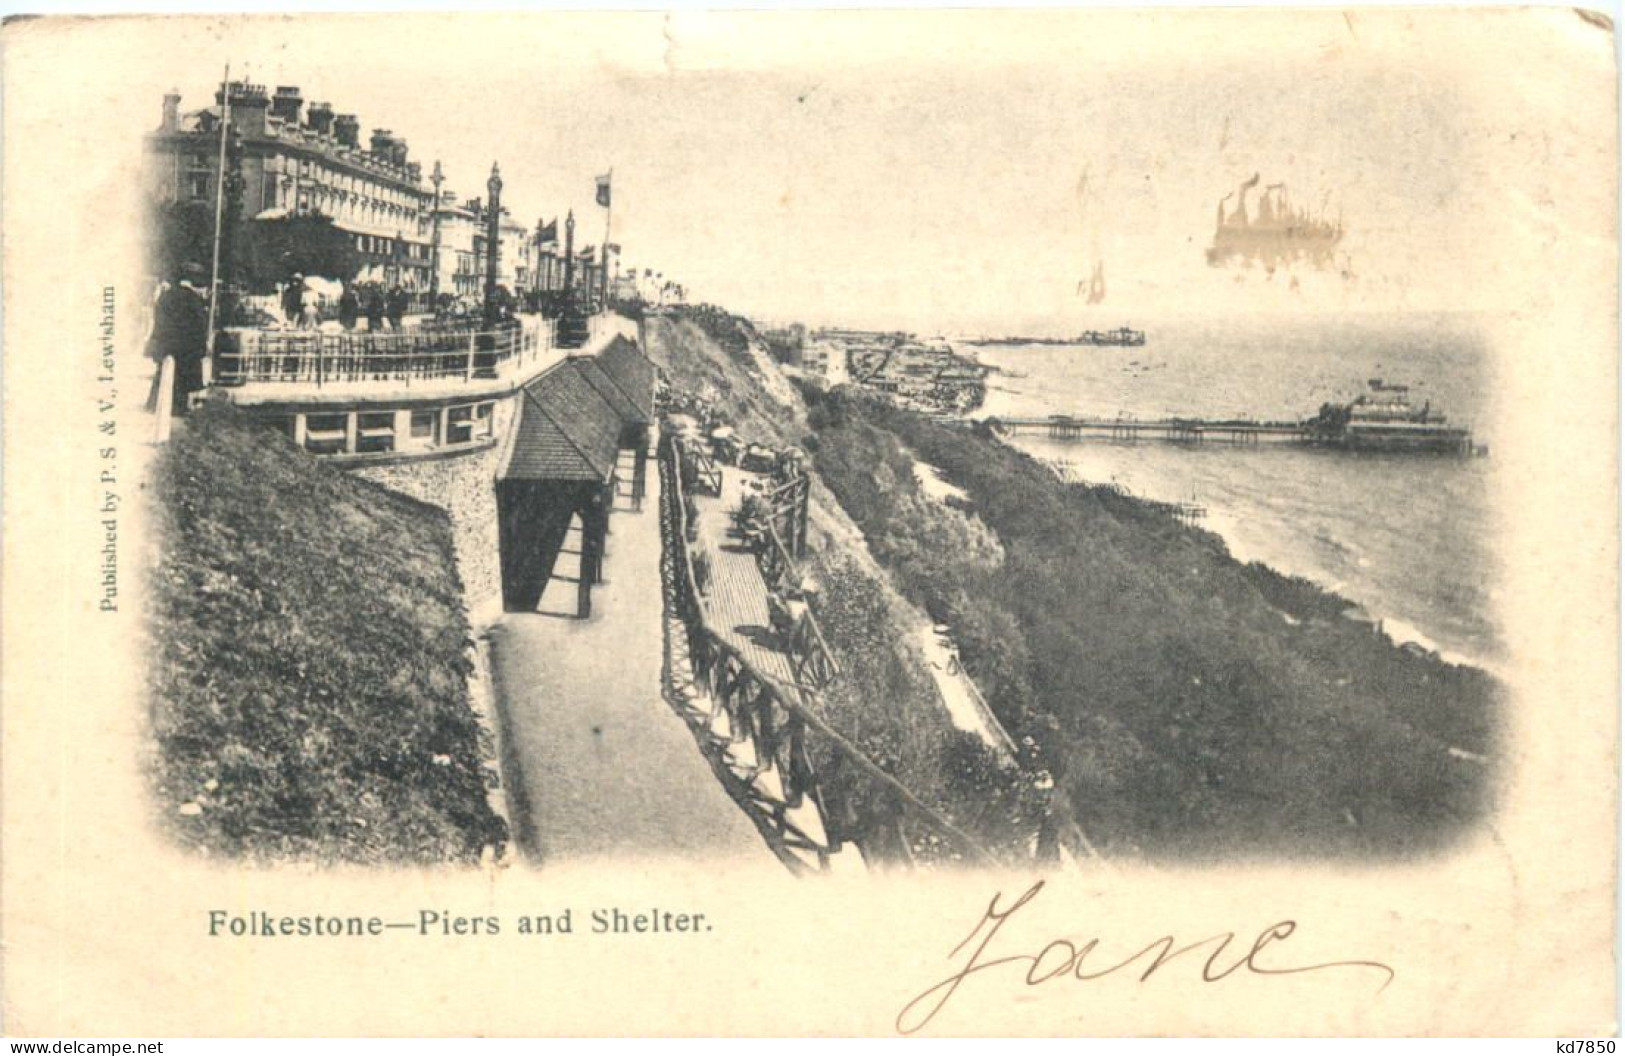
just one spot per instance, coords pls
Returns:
(320, 117)
(382, 140)
(172, 112)
(248, 105)
(397, 152)
(286, 104)
(347, 127)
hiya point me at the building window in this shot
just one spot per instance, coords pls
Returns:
(425, 429)
(375, 431)
(325, 433)
(460, 425)
(469, 424)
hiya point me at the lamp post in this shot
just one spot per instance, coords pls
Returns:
(538, 283)
(435, 178)
(493, 233)
(569, 256)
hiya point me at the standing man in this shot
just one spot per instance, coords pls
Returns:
(293, 299)
(375, 308)
(349, 307)
(396, 307)
(180, 330)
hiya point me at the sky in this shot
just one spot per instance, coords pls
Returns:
(963, 171)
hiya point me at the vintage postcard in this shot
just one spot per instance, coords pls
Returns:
(1063, 522)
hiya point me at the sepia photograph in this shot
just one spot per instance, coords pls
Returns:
(866, 471)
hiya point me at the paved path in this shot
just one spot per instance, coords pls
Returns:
(736, 604)
(605, 768)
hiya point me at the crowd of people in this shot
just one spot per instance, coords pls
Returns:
(180, 312)
(303, 304)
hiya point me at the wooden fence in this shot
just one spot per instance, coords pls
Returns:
(779, 719)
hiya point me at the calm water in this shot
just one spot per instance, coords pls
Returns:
(1407, 537)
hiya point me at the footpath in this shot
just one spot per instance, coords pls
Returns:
(598, 763)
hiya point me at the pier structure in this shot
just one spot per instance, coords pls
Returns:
(1175, 430)
(1415, 436)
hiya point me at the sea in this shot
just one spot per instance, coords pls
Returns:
(1407, 537)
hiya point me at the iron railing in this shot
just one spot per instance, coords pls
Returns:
(307, 357)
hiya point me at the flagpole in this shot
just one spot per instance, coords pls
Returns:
(609, 211)
(219, 210)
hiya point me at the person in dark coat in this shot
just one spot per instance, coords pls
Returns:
(375, 309)
(293, 299)
(180, 329)
(349, 307)
(395, 307)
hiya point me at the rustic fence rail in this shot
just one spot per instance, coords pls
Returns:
(755, 708)
(773, 716)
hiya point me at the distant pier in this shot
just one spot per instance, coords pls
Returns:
(1415, 437)
(1174, 430)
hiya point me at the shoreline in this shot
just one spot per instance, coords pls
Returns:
(1399, 628)
(1398, 620)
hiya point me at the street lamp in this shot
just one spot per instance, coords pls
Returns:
(569, 256)
(493, 235)
(435, 178)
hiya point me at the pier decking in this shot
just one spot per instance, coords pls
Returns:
(1419, 436)
(1176, 430)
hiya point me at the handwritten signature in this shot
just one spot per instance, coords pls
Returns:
(1063, 958)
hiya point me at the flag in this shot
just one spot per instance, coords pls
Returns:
(613, 247)
(549, 235)
(603, 191)
(586, 252)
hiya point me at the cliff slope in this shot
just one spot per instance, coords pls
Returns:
(309, 660)
(886, 700)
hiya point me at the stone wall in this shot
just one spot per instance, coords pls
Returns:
(465, 487)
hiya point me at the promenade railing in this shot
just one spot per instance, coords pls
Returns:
(319, 358)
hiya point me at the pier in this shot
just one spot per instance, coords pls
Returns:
(1173, 430)
(1413, 436)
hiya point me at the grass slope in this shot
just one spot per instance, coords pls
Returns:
(1189, 705)
(308, 679)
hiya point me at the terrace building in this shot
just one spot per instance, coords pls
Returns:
(460, 272)
(298, 161)
(493, 419)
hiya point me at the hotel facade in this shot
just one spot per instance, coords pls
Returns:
(296, 160)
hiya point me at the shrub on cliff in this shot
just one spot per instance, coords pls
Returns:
(729, 331)
(1180, 708)
(308, 694)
